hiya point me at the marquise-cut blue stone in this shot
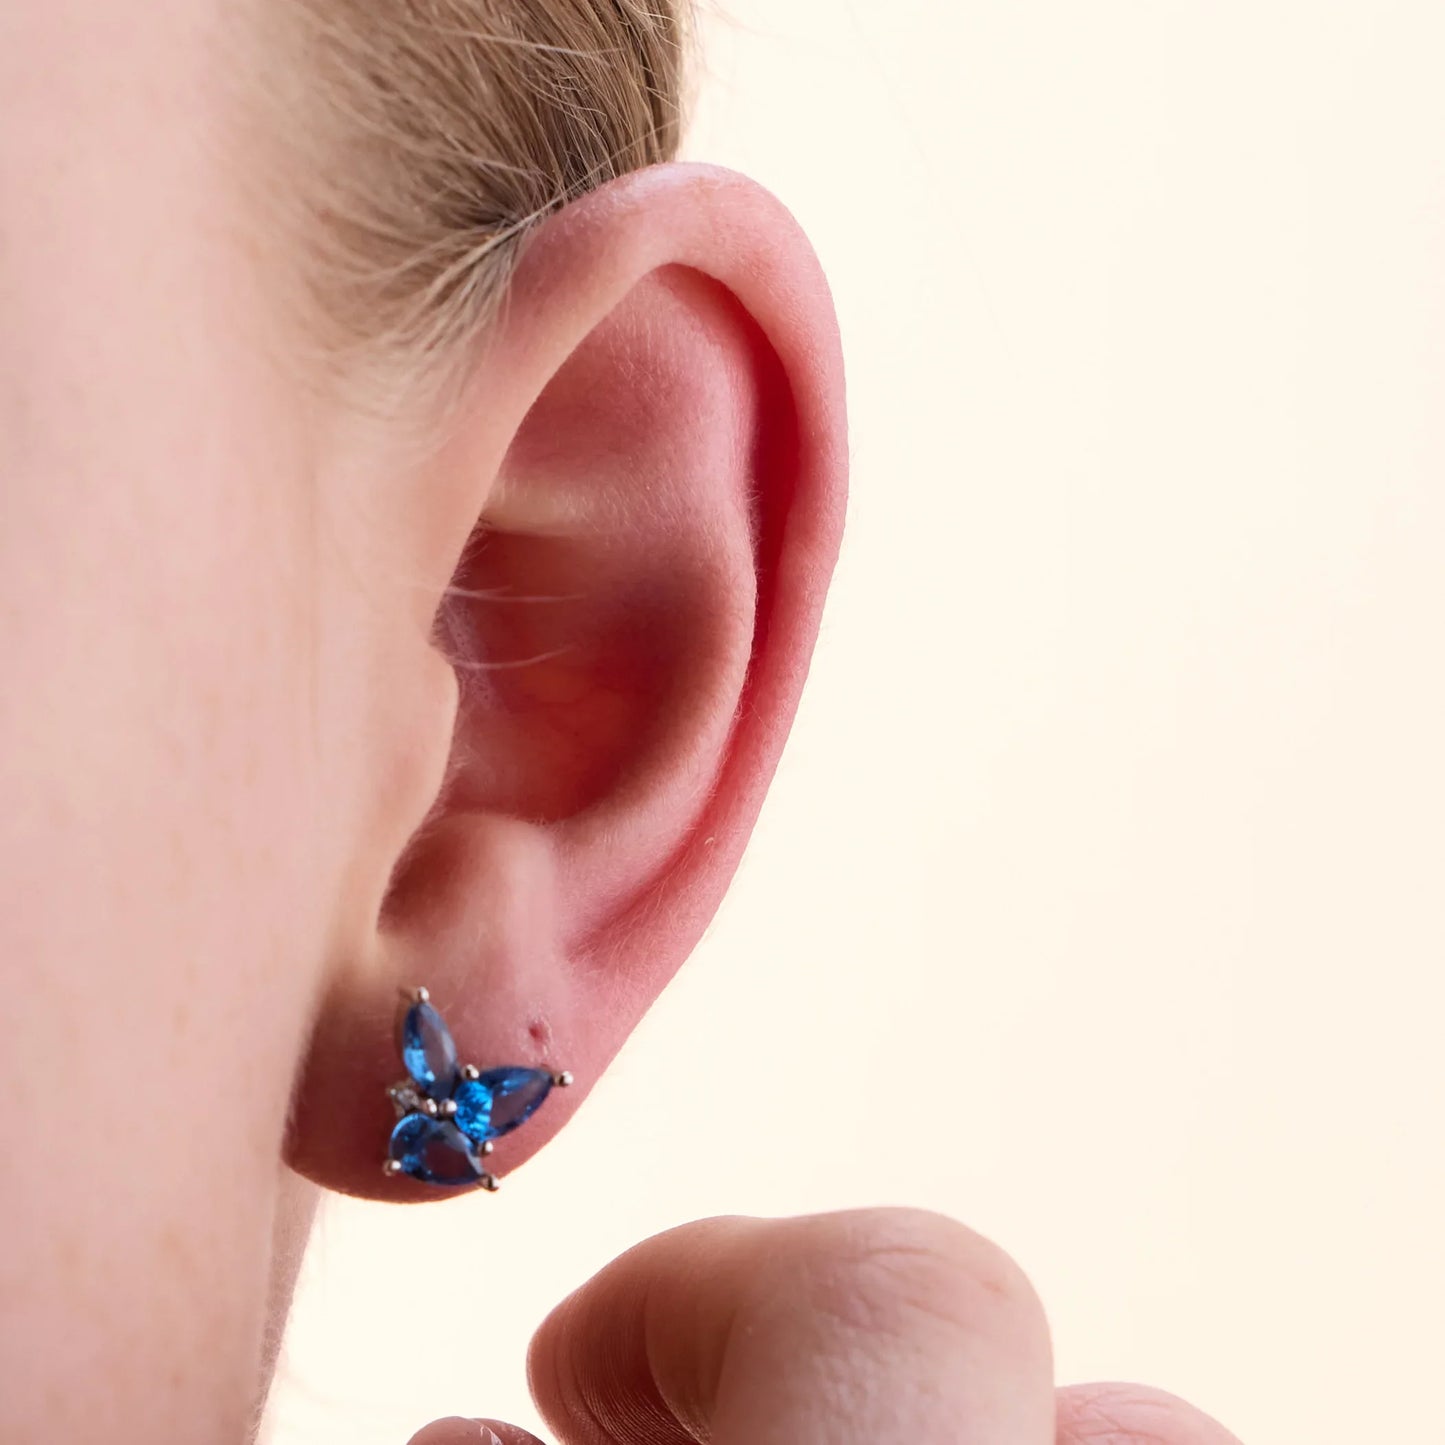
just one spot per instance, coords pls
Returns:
(435, 1151)
(427, 1050)
(500, 1100)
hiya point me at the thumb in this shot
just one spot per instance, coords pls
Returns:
(893, 1324)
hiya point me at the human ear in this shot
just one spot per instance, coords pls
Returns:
(638, 507)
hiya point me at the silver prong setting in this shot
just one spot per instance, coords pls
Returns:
(448, 1108)
(391, 1168)
(485, 1147)
(490, 1183)
(471, 1072)
(562, 1079)
(430, 1108)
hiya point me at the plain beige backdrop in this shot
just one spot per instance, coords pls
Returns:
(1101, 899)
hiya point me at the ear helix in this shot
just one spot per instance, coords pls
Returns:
(448, 1113)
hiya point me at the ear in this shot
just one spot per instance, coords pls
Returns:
(632, 526)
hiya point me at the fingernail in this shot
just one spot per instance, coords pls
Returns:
(502, 1432)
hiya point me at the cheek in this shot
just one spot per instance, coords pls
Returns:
(155, 605)
(166, 878)
(163, 781)
(169, 768)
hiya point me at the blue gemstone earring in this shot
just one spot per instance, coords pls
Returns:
(448, 1114)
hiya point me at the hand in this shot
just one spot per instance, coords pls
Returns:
(876, 1326)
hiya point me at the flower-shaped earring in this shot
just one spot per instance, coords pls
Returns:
(449, 1114)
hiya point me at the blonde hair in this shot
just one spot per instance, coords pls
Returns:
(427, 138)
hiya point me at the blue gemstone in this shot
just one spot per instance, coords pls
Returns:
(427, 1050)
(435, 1151)
(498, 1101)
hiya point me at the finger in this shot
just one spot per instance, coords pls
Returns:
(457, 1430)
(877, 1324)
(1133, 1415)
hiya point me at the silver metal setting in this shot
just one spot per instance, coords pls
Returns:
(405, 1098)
(471, 1072)
(490, 1183)
(562, 1080)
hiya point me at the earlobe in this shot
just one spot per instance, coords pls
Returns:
(646, 487)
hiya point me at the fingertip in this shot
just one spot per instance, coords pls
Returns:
(459, 1430)
(772, 1313)
(635, 1352)
(1123, 1414)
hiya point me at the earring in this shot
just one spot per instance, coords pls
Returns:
(449, 1114)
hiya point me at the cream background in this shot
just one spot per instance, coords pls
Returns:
(1099, 902)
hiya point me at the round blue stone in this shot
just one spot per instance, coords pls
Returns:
(427, 1050)
(435, 1151)
(500, 1100)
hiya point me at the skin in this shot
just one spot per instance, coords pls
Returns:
(250, 786)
